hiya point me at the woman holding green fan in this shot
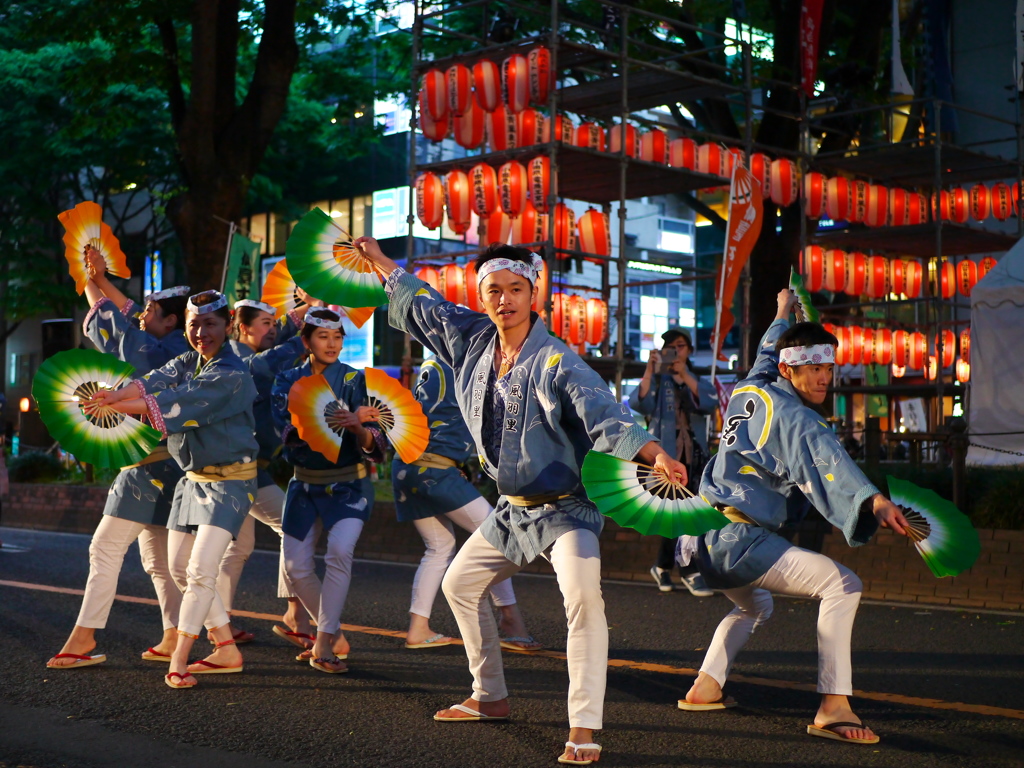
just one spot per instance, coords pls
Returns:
(776, 459)
(203, 401)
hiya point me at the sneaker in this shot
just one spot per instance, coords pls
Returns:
(662, 579)
(695, 583)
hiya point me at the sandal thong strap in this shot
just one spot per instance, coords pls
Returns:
(232, 641)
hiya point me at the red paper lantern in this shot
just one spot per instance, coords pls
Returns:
(540, 182)
(597, 320)
(877, 213)
(435, 94)
(917, 350)
(734, 158)
(883, 346)
(565, 131)
(654, 146)
(469, 127)
(632, 139)
(948, 339)
(429, 200)
(515, 83)
(594, 235)
(985, 266)
(529, 227)
(497, 228)
(560, 315)
(896, 276)
(963, 371)
(459, 227)
(761, 169)
(940, 206)
(563, 229)
(959, 205)
(843, 347)
(812, 267)
(459, 89)
(868, 347)
(814, 195)
(967, 276)
(435, 130)
(458, 199)
(590, 135)
(430, 276)
(877, 284)
(1000, 201)
(899, 209)
(501, 129)
(485, 189)
(682, 153)
(513, 187)
(856, 274)
(472, 291)
(487, 85)
(835, 271)
(784, 190)
(542, 76)
(900, 348)
(913, 278)
(838, 198)
(979, 202)
(453, 283)
(917, 209)
(965, 344)
(577, 312)
(711, 159)
(931, 368)
(530, 127)
(859, 210)
(946, 274)
(856, 345)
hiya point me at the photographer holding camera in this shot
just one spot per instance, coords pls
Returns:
(669, 395)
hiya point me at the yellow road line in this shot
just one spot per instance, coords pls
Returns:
(891, 698)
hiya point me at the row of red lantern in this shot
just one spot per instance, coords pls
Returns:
(517, 82)
(999, 201)
(857, 274)
(903, 349)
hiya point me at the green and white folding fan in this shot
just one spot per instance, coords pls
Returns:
(637, 497)
(806, 311)
(104, 438)
(942, 533)
(325, 264)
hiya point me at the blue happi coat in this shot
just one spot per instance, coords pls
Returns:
(428, 491)
(205, 408)
(304, 502)
(662, 400)
(776, 459)
(556, 409)
(141, 494)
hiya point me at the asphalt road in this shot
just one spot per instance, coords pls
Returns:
(942, 688)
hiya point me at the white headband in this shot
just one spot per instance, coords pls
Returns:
(256, 305)
(169, 293)
(819, 354)
(323, 322)
(529, 271)
(219, 302)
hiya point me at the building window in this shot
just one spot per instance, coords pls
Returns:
(675, 235)
(153, 276)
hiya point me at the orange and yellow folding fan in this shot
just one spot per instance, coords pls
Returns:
(279, 291)
(401, 415)
(84, 226)
(314, 409)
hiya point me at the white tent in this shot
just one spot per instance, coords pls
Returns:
(997, 364)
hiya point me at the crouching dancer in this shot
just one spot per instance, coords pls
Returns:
(777, 458)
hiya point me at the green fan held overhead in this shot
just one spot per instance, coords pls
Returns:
(637, 497)
(942, 533)
(325, 264)
(805, 309)
(104, 438)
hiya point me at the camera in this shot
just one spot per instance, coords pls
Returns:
(668, 357)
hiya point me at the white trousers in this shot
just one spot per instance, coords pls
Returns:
(109, 544)
(798, 573)
(326, 602)
(438, 536)
(267, 508)
(576, 558)
(195, 562)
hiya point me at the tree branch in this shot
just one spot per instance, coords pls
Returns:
(172, 72)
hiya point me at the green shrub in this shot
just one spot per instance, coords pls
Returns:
(35, 467)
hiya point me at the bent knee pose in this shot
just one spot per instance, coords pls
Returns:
(140, 497)
(203, 401)
(534, 409)
(435, 495)
(333, 496)
(777, 458)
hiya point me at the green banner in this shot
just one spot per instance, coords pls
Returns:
(876, 405)
(241, 278)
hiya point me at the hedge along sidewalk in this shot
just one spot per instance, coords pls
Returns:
(889, 565)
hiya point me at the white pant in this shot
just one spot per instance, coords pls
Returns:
(328, 603)
(576, 558)
(109, 543)
(798, 573)
(267, 508)
(195, 562)
(439, 539)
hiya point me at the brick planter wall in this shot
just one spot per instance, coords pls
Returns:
(889, 565)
